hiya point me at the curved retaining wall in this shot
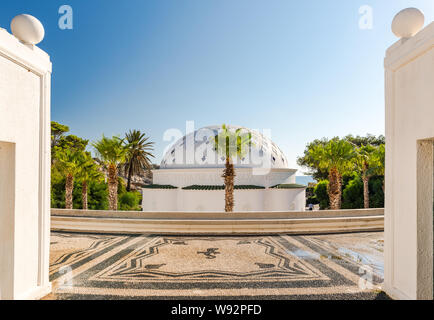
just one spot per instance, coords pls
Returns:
(303, 222)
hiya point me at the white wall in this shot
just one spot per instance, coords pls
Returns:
(160, 199)
(409, 189)
(285, 200)
(213, 200)
(24, 131)
(213, 176)
(200, 200)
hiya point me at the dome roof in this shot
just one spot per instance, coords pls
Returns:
(196, 150)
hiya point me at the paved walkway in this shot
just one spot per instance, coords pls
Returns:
(90, 266)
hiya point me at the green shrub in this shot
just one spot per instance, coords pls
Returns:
(122, 186)
(321, 194)
(97, 193)
(130, 201)
(346, 178)
(98, 196)
(376, 194)
(57, 192)
(310, 196)
(352, 195)
(77, 202)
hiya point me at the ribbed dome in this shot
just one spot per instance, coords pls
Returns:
(196, 150)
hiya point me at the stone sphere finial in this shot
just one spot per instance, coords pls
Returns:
(28, 29)
(408, 22)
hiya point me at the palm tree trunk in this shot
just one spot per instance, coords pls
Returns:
(365, 191)
(113, 187)
(84, 195)
(69, 187)
(229, 175)
(335, 189)
(130, 174)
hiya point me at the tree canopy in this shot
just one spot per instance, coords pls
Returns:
(311, 163)
(77, 179)
(352, 167)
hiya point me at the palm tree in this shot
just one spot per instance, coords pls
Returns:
(88, 171)
(68, 162)
(111, 153)
(335, 157)
(365, 163)
(230, 145)
(139, 154)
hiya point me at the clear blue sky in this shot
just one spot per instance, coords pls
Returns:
(303, 69)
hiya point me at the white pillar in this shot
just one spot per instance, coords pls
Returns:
(25, 73)
(409, 66)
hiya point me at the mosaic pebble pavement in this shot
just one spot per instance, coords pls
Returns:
(96, 266)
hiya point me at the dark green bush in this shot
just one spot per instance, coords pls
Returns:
(130, 201)
(352, 195)
(321, 194)
(310, 196)
(376, 194)
(57, 192)
(97, 194)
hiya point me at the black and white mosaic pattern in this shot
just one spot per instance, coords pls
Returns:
(88, 266)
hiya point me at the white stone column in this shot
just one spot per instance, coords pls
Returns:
(25, 72)
(409, 85)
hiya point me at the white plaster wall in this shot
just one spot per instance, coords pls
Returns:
(19, 115)
(249, 200)
(213, 176)
(213, 200)
(198, 200)
(159, 199)
(409, 118)
(23, 94)
(285, 200)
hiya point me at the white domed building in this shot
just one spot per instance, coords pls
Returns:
(190, 177)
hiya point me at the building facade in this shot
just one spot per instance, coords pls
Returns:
(190, 177)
